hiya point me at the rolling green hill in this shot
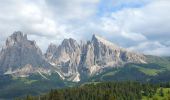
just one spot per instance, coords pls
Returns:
(156, 70)
(11, 87)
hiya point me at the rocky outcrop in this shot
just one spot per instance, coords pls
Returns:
(52, 48)
(66, 59)
(99, 54)
(19, 52)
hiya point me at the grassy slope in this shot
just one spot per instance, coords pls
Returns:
(160, 61)
(34, 85)
(138, 72)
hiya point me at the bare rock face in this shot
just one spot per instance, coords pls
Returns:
(52, 48)
(66, 59)
(19, 52)
(108, 52)
(87, 58)
(99, 54)
(73, 60)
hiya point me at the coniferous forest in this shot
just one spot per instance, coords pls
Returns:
(109, 91)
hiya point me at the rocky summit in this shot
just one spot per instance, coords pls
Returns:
(21, 57)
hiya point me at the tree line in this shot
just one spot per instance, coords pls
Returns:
(103, 91)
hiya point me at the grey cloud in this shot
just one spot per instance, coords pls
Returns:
(70, 10)
(153, 20)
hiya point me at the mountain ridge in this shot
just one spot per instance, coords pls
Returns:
(70, 59)
(74, 64)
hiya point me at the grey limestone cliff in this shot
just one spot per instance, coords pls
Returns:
(73, 59)
(18, 52)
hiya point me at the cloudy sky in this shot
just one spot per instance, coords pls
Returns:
(140, 25)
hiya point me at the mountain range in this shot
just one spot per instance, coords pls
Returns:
(21, 57)
(25, 69)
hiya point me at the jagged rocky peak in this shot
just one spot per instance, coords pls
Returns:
(19, 52)
(104, 49)
(70, 45)
(63, 51)
(16, 37)
(94, 37)
(52, 48)
(68, 41)
(97, 40)
(67, 58)
(99, 54)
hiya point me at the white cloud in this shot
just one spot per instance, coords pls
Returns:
(151, 20)
(141, 26)
(52, 20)
(152, 48)
(38, 20)
(148, 45)
(134, 36)
(159, 51)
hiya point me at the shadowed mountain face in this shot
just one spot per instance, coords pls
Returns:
(21, 57)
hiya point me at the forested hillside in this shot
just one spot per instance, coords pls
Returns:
(109, 91)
